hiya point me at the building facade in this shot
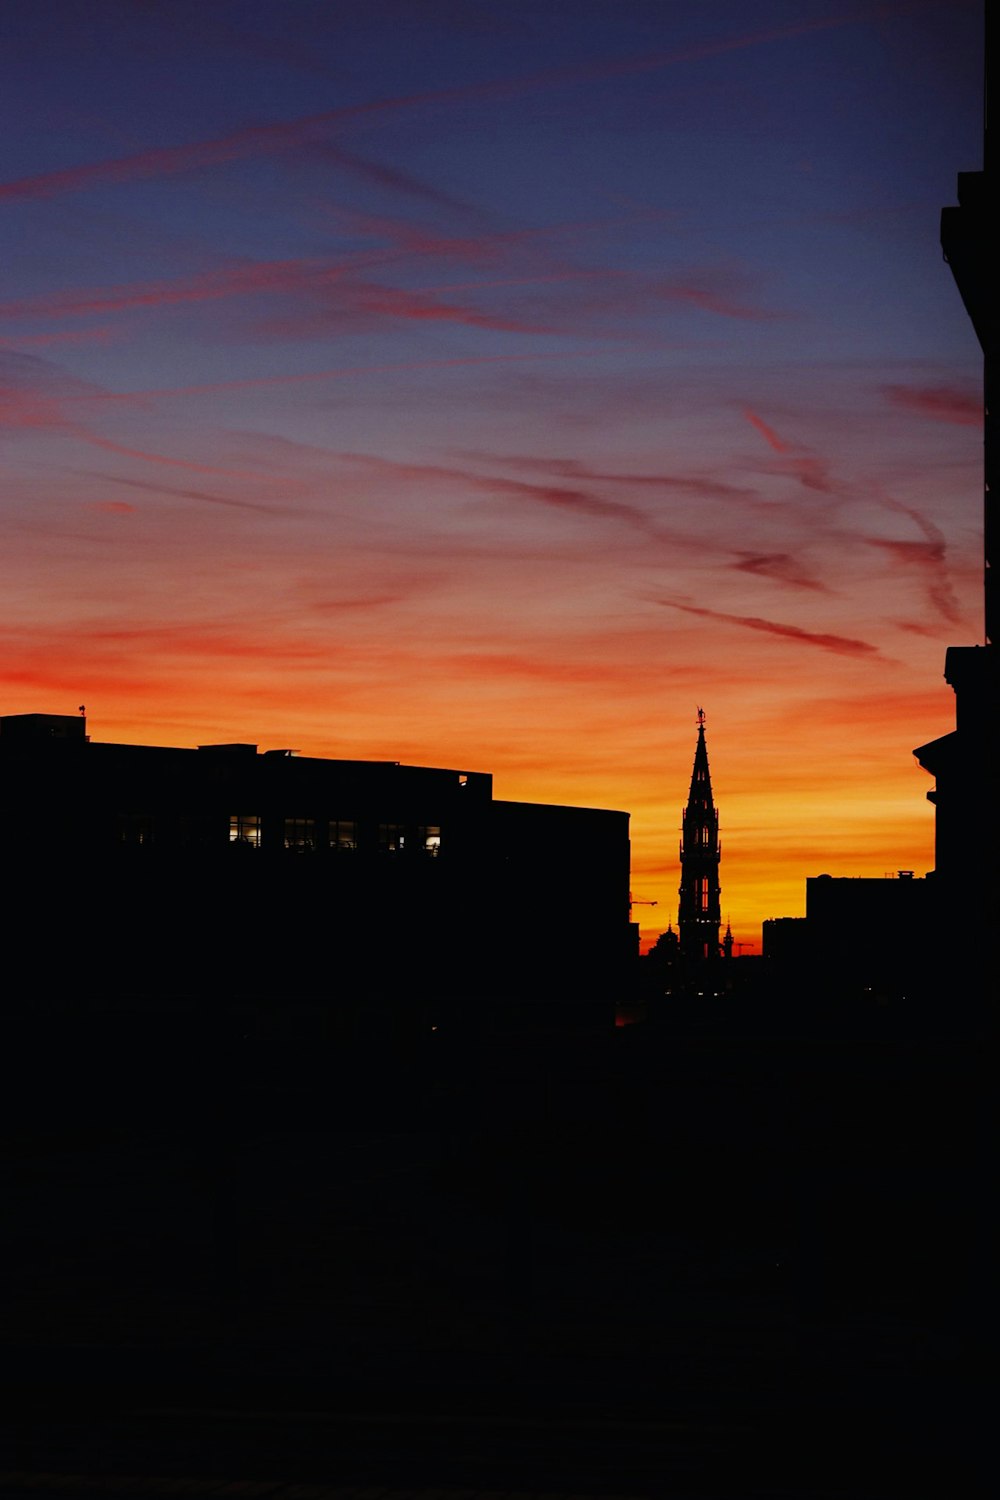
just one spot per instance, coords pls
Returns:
(966, 762)
(146, 873)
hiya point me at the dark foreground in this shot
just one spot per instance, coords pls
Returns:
(640, 1263)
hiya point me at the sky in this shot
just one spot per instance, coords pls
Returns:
(490, 385)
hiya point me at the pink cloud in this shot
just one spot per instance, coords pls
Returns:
(716, 301)
(780, 565)
(109, 446)
(209, 285)
(767, 433)
(201, 495)
(943, 403)
(100, 335)
(425, 307)
(344, 372)
(812, 472)
(396, 181)
(361, 601)
(842, 645)
(571, 468)
(580, 501)
(23, 406)
(494, 664)
(929, 556)
(258, 140)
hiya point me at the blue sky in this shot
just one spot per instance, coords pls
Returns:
(491, 384)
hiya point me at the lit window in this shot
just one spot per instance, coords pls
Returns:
(391, 838)
(343, 834)
(300, 833)
(135, 829)
(429, 840)
(244, 830)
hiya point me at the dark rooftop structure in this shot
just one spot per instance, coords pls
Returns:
(363, 892)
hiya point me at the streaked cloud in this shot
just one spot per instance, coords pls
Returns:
(942, 403)
(841, 645)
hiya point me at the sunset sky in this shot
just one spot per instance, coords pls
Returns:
(490, 385)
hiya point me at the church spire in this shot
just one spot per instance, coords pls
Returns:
(700, 913)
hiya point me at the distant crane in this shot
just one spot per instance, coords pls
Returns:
(635, 902)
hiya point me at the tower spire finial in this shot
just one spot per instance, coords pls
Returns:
(699, 916)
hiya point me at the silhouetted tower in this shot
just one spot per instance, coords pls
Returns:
(727, 942)
(700, 914)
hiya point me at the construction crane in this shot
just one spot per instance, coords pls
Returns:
(636, 902)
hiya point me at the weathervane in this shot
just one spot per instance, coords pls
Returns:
(701, 718)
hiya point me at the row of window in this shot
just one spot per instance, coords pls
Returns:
(305, 834)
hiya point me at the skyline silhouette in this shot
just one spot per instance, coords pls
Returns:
(493, 395)
(350, 1145)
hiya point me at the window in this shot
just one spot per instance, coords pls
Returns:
(135, 829)
(429, 840)
(702, 893)
(300, 833)
(343, 834)
(391, 838)
(244, 830)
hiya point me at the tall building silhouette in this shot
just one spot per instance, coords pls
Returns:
(966, 762)
(699, 914)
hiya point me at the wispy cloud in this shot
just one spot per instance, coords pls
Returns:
(943, 403)
(67, 336)
(769, 435)
(812, 471)
(714, 299)
(929, 556)
(571, 468)
(570, 673)
(112, 507)
(842, 645)
(783, 566)
(239, 279)
(201, 495)
(34, 396)
(278, 136)
(342, 372)
(579, 501)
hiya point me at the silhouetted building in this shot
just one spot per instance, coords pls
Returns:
(699, 912)
(658, 972)
(966, 762)
(143, 873)
(870, 935)
(785, 940)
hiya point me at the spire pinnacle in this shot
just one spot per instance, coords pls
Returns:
(699, 916)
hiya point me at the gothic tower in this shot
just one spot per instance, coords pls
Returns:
(700, 914)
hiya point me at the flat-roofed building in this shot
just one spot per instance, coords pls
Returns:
(158, 874)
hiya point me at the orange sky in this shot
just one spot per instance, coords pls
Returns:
(496, 397)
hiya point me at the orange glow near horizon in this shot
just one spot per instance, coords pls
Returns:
(465, 403)
(825, 783)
